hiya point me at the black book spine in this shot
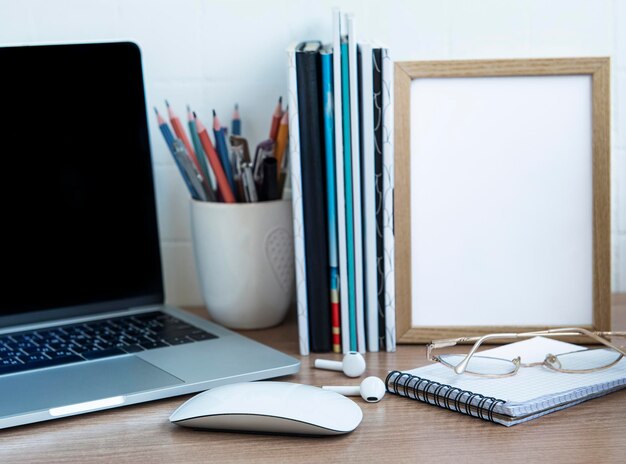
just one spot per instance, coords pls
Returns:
(377, 64)
(308, 74)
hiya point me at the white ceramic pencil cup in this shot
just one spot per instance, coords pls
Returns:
(244, 257)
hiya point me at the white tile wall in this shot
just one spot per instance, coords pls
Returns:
(489, 29)
(212, 53)
(619, 41)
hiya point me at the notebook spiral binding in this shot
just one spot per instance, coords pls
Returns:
(444, 396)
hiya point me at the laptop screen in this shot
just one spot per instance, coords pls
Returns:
(79, 226)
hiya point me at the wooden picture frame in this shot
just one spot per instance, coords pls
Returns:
(406, 73)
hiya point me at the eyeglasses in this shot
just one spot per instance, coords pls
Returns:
(575, 362)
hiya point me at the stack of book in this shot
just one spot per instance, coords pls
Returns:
(341, 151)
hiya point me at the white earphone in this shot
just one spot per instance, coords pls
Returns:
(353, 364)
(372, 390)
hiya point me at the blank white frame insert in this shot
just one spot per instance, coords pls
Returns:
(501, 201)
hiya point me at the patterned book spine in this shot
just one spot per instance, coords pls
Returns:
(368, 194)
(378, 171)
(444, 396)
(388, 186)
(296, 201)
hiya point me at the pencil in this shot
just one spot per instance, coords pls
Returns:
(222, 150)
(165, 130)
(218, 170)
(206, 170)
(182, 135)
(236, 122)
(192, 179)
(281, 140)
(278, 112)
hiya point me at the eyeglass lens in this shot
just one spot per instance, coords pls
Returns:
(587, 359)
(480, 364)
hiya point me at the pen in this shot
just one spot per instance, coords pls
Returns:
(248, 184)
(239, 141)
(263, 150)
(222, 182)
(237, 152)
(236, 122)
(269, 185)
(222, 150)
(191, 176)
(278, 112)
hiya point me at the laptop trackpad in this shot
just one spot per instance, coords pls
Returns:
(88, 381)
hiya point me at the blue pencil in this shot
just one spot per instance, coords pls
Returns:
(236, 122)
(165, 130)
(222, 151)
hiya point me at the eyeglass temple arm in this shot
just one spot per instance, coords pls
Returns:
(462, 366)
(595, 335)
(448, 342)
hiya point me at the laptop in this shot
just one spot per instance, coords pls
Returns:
(83, 324)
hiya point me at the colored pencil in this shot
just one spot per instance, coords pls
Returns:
(278, 113)
(165, 130)
(201, 155)
(193, 179)
(182, 135)
(236, 122)
(222, 182)
(222, 150)
(281, 140)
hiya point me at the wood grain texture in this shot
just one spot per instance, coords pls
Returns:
(402, 201)
(406, 71)
(601, 146)
(394, 430)
(427, 334)
(500, 68)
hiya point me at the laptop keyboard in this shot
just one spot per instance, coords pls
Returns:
(54, 346)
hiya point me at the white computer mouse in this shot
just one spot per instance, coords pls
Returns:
(270, 407)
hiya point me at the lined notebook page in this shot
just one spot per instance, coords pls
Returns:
(535, 388)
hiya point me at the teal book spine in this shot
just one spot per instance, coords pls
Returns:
(331, 195)
(347, 162)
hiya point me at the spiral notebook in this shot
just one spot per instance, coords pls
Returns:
(531, 393)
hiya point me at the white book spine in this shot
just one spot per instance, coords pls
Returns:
(296, 202)
(341, 201)
(368, 184)
(388, 188)
(356, 186)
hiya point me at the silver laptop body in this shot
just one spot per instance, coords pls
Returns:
(82, 251)
(55, 392)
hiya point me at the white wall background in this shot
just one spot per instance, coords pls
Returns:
(212, 53)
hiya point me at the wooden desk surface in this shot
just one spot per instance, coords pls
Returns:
(394, 430)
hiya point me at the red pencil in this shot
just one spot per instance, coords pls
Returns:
(181, 134)
(278, 113)
(218, 170)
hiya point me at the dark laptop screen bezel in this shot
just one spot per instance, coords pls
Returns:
(156, 295)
